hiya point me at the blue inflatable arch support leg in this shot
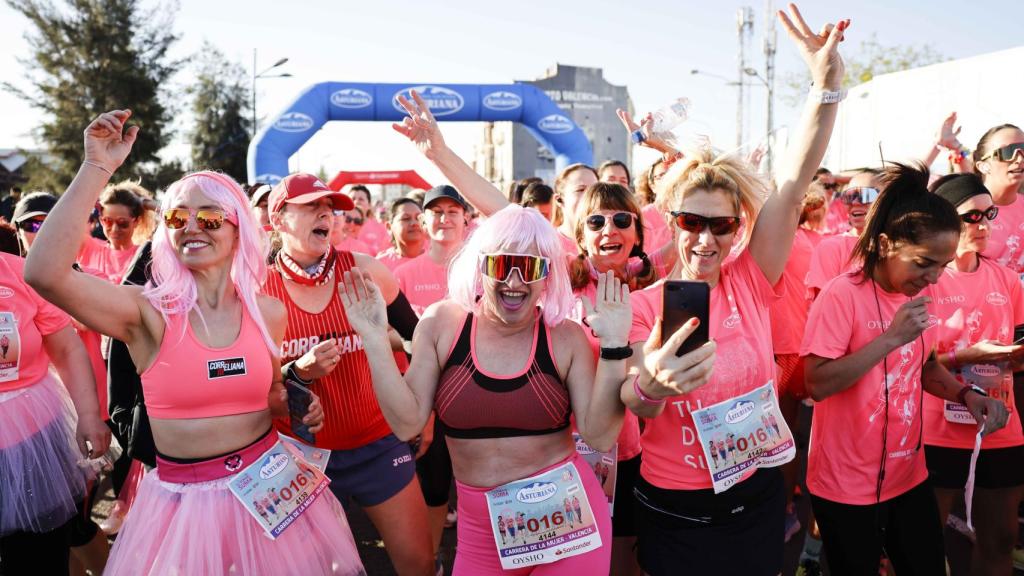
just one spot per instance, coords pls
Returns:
(346, 101)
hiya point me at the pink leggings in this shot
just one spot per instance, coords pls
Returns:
(477, 554)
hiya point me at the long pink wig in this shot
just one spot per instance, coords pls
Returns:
(513, 229)
(172, 289)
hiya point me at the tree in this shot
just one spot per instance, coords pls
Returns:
(220, 104)
(89, 56)
(872, 59)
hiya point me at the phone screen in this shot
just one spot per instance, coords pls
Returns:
(681, 301)
(299, 399)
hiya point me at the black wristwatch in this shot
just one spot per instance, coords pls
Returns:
(620, 353)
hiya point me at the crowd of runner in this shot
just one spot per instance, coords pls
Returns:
(263, 354)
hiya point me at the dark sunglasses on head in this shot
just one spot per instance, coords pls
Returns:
(1006, 153)
(975, 216)
(621, 220)
(32, 226)
(860, 195)
(206, 218)
(695, 223)
(122, 223)
(500, 266)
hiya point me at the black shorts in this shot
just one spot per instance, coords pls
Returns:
(434, 469)
(907, 527)
(371, 474)
(996, 468)
(736, 533)
(624, 513)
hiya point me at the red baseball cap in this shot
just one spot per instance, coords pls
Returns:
(302, 188)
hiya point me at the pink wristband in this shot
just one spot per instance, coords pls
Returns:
(643, 397)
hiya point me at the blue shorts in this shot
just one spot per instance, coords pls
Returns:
(371, 474)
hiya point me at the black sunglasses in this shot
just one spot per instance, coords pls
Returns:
(621, 220)
(975, 216)
(695, 223)
(1006, 153)
(351, 220)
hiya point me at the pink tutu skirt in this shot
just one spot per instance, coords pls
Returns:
(40, 479)
(186, 528)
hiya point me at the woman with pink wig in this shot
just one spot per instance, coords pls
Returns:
(207, 345)
(486, 362)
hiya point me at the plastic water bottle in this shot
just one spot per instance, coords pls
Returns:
(668, 117)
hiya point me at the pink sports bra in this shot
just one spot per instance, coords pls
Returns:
(191, 380)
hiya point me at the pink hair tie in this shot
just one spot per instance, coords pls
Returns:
(643, 397)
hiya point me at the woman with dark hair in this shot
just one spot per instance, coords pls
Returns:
(540, 197)
(999, 160)
(979, 303)
(869, 357)
(127, 222)
(408, 240)
(614, 172)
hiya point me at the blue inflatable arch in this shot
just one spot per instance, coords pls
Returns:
(345, 101)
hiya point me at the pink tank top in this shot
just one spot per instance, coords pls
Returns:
(191, 380)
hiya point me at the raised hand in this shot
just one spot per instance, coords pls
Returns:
(611, 315)
(420, 127)
(820, 51)
(947, 136)
(364, 304)
(646, 127)
(107, 143)
(671, 375)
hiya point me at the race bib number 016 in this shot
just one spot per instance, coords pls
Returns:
(542, 519)
(278, 488)
(604, 464)
(743, 433)
(997, 381)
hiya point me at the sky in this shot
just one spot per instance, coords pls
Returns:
(651, 46)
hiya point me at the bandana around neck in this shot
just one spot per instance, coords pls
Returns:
(321, 273)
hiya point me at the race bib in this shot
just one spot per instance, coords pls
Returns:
(742, 433)
(604, 464)
(278, 487)
(997, 381)
(10, 347)
(542, 519)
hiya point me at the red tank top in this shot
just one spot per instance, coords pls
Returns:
(352, 417)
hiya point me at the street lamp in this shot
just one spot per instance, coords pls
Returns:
(255, 77)
(727, 81)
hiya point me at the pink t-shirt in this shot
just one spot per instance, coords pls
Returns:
(569, 245)
(375, 235)
(837, 218)
(24, 319)
(101, 256)
(1005, 235)
(972, 306)
(846, 431)
(830, 259)
(739, 323)
(629, 436)
(354, 245)
(789, 313)
(423, 282)
(392, 259)
(656, 231)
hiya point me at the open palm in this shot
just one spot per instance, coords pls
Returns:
(419, 126)
(364, 304)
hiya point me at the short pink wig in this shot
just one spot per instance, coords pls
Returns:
(513, 229)
(172, 289)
